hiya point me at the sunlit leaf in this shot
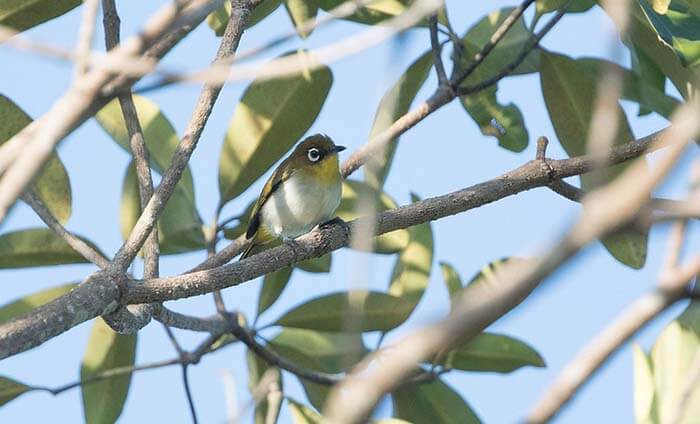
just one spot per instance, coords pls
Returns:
(256, 369)
(373, 13)
(24, 14)
(433, 402)
(394, 104)
(451, 278)
(270, 118)
(272, 287)
(103, 400)
(52, 184)
(301, 11)
(10, 389)
(179, 226)
(353, 311)
(567, 89)
(218, 19)
(645, 408)
(27, 303)
(36, 247)
(679, 29)
(546, 6)
(302, 414)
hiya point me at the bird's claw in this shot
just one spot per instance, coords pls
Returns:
(331, 222)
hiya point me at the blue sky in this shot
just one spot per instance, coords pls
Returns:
(444, 153)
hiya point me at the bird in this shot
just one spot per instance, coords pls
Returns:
(302, 192)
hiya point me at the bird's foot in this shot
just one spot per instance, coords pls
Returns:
(331, 222)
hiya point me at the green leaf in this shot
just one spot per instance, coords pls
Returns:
(660, 6)
(52, 184)
(256, 369)
(493, 353)
(272, 115)
(644, 397)
(546, 6)
(36, 247)
(10, 389)
(673, 355)
(272, 287)
(567, 89)
(411, 272)
(373, 13)
(433, 402)
(24, 14)
(650, 75)
(678, 29)
(394, 104)
(318, 265)
(26, 304)
(179, 227)
(451, 278)
(218, 19)
(158, 134)
(302, 414)
(356, 198)
(103, 400)
(301, 11)
(373, 311)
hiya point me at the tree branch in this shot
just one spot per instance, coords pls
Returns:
(437, 52)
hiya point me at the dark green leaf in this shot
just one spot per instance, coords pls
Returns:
(316, 265)
(650, 77)
(25, 304)
(394, 104)
(24, 14)
(433, 402)
(300, 12)
(272, 287)
(218, 19)
(679, 29)
(645, 407)
(354, 311)
(567, 88)
(256, 369)
(36, 247)
(493, 353)
(451, 278)
(179, 227)
(302, 414)
(270, 118)
(52, 183)
(103, 400)
(10, 389)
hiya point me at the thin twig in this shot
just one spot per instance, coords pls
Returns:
(188, 393)
(437, 51)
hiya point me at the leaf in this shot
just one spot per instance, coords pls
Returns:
(678, 29)
(451, 278)
(336, 312)
(567, 89)
(37, 247)
(27, 303)
(10, 389)
(103, 400)
(302, 414)
(52, 183)
(650, 75)
(158, 134)
(272, 287)
(546, 6)
(316, 265)
(357, 194)
(218, 19)
(24, 14)
(433, 402)
(644, 397)
(394, 104)
(256, 369)
(373, 13)
(660, 6)
(493, 353)
(300, 12)
(272, 115)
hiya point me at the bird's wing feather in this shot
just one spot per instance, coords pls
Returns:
(272, 184)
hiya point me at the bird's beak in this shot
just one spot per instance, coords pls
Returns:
(338, 149)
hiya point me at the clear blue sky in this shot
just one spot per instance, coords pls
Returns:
(444, 153)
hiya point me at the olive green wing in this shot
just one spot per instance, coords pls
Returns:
(280, 175)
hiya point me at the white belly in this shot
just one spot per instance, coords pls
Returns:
(299, 205)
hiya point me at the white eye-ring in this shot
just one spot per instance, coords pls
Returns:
(313, 154)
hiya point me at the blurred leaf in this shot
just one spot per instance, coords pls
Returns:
(36, 247)
(272, 115)
(546, 6)
(491, 352)
(374, 12)
(394, 104)
(158, 133)
(10, 389)
(336, 312)
(103, 400)
(433, 402)
(24, 14)
(645, 408)
(649, 75)
(52, 183)
(272, 287)
(679, 29)
(218, 19)
(179, 226)
(411, 272)
(302, 414)
(567, 88)
(389, 421)
(358, 194)
(673, 356)
(256, 369)
(27, 303)
(660, 6)
(240, 228)
(487, 274)
(301, 11)
(316, 265)
(451, 278)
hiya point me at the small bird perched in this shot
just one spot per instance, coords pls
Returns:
(304, 191)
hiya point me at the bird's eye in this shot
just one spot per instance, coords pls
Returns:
(313, 154)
